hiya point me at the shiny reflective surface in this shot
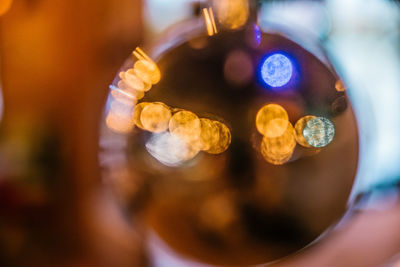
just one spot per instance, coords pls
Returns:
(223, 177)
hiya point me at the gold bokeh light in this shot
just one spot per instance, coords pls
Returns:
(147, 71)
(224, 139)
(209, 135)
(132, 81)
(298, 130)
(137, 114)
(232, 14)
(155, 117)
(272, 120)
(278, 150)
(185, 125)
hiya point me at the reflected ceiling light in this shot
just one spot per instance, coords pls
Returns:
(276, 70)
(267, 123)
(319, 132)
(210, 21)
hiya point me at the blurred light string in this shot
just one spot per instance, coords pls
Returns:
(365, 42)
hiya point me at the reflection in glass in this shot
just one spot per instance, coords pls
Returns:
(278, 150)
(272, 120)
(319, 132)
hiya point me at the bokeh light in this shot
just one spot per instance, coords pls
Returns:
(298, 129)
(119, 117)
(210, 21)
(272, 120)
(218, 212)
(223, 141)
(232, 14)
(277, 70)
(185, 125)
(130, 81)
(319, 132)
(137, 114)
(209, 136)
(257, 34)
(238, 68)
(126, 96)
(279, 150)
(155, 117)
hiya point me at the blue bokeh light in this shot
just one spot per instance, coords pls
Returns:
(276, 70)
(257, 33)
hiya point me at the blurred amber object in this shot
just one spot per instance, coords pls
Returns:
(232, 14)
(137, 114)
(278, 150)
(272, 120)
(5, 6)
(339, 85)
(209, 136)
(185, 125)
(223, 139)
(155, 117)
(210, 21)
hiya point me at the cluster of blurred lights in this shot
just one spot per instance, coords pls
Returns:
(134, 83)
(179, 135)
(279, 136)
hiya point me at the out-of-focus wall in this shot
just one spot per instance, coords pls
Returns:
(57, 59)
